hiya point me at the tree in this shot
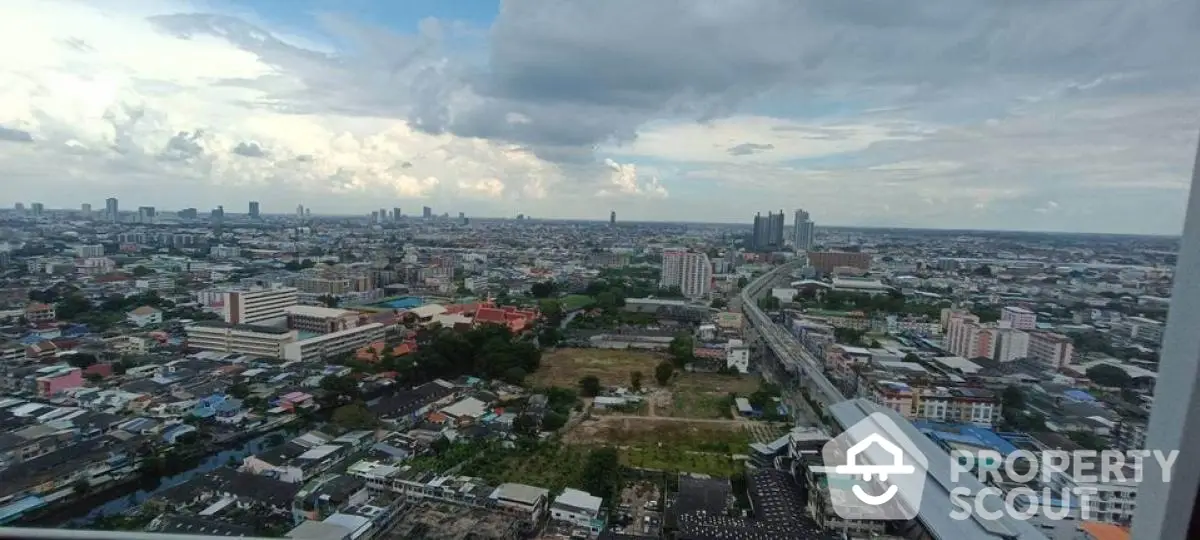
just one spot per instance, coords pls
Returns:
(94, 377)
(142, 271)
(542, 289)
(742, 282)
(663, 372)
(354, 416)
(635, 380)
(589, 386)
(602, 473)
(1109, 375)
(719, 303)
(239, 390)
(81, 360)
(553, 421)
(682, 349)
(525, 425)
(1012, 399)
(769, 303)
(983, 271)
(912, 357)
(341, 388)
(514, 375)
(551, 309)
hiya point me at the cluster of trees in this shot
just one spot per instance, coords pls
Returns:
(489, 351)
(891, 302)
(663, 372)
(602, 474)
(353, 416)
(1109, 376)
(769, 303)
(1015, 417)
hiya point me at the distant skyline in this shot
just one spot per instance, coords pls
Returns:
(1073, 115)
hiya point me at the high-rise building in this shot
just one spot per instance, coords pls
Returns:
(1019, 317)
(612, 218)
(299, 210)
(396, 214)
(85, 209)
(112, 212)
(374, 216)
(768, 232)
(37, 208)
(253, 209)
(187, 213)
(1053, 349)
(802, 231)
(146, 214)
(257, 306)
(19, 207)
(688, 270)
(426, 212)
(217, 214)
(383, 215)
(308, 212)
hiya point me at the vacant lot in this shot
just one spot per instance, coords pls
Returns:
(549, 465)
(699, 436)
(705, 395)
(564, 367)
(576, 301)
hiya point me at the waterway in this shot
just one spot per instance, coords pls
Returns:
(121, 499)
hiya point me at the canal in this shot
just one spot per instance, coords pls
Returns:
(122, 498)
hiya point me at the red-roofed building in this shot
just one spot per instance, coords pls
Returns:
(103, 370)
(374, 351)
(517, 320)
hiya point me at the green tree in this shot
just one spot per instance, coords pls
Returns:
(1109, 375)
(341, 389)
(81, 360)
(543, 289)
(602, 474)
(719, 303)
(589, 386)
(912, 357)
(663, 372)
(354, 416)
(239, 390)
(142, 271)
(551, 309)
(514, 375)
(682, 349)
(525, 425)
(553, 421)
(769, 303)
(742, 282)
(606, 301)
(635, 380)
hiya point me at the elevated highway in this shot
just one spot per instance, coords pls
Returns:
(777, 345)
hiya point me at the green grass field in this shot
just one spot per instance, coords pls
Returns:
(671, 458)
(576, 301)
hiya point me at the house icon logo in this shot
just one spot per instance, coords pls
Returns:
(873, 471)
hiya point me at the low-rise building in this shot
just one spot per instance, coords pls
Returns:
(263, 341)
(578, 508)
(325, 346)
(144, 316)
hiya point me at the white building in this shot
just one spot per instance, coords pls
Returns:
(225, 252)
(1053, 349)
(319, 348)
(144, 316)
(259, 306)
(1010, 344)
(579, 508)
(803, 231)
(737, 356)
(1145, 330)
(89, 251)
(690, 271)
(263, 341)
(1019, 317)
(528, 501)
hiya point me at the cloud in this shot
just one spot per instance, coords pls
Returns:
(624, 182)
(746, 149)
(251, 149)
(14, 135)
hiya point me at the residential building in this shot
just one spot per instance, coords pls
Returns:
(737, 356)
(803, 230)
(258, 305)
(51, 380)
(225, 252)
(112, 210)
(1011, 344)
(89, 251)
(333, 344)
(528, 501)
(144, 316)
(1019, 317)
(1145, 330)
(768, 232)
(263, 341)
(688, 270)
(1053, 349)
(955, 404)
(578, 508)
(426, 212)
(253, 210)
(826, 261)
(38, 312)
(319, 320)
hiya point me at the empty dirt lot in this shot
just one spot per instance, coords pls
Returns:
(564, 367)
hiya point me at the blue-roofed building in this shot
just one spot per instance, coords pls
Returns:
(14, 510)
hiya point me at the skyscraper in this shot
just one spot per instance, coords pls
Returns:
(802, 231)
(111, 210)
(19, 207)
(396, 214)
(426, 212)
(36, 208)
(146, 214)
(85, 209)
(690, 271)
(253, 209)
(612, 218)
(299, 210)
(768, 232)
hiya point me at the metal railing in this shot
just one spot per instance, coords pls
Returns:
(29, 533)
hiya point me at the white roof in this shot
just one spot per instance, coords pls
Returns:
(320, 451)
(579, 499)
(520, 493)
(428, 310)
(317, 311)
(470, 407)
(959, 363)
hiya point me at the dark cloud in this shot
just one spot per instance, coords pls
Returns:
(746, 149)
(251, 149)
(15, 135)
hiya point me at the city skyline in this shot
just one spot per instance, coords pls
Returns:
(945, 116)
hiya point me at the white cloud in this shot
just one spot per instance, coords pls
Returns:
(624, 181)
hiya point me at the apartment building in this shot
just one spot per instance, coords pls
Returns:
(1010, 344)
(326, 346)
(52, 380)
(954, 404)
(1144, 330)
(1019, 317)
(89, 251)
(264, 341)
(826, 261)
(319, 320)
(690, 271)
(38, 312)
(1053, 349)
(258, 305)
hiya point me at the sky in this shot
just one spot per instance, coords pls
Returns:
(1066, 115)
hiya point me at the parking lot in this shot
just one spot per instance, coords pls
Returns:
(640, 511)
